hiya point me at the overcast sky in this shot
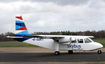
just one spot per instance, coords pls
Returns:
(53, 15)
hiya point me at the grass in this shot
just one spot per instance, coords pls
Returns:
(15, 44)
(21, 44)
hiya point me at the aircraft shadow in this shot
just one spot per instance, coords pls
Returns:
(50, 57)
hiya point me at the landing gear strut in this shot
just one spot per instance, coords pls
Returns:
(70, 51)
(57, 53)
(57, 48)
(99, 51)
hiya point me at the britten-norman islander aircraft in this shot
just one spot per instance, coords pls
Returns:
(55, 42)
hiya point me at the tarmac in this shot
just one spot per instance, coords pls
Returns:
(33, 55)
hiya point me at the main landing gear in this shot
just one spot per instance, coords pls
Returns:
(57, 48)
(70, 52)
(57, 53)
(99, 51)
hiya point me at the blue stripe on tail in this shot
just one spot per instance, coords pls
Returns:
(20, 27)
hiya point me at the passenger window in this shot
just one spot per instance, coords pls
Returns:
(80, 40)
(73, 41)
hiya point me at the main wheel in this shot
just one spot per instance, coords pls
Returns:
(99, 51)
(57, 53)
(70, 51)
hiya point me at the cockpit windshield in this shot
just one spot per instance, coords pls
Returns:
(87, 40)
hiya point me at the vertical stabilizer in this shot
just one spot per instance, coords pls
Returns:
(20, 26)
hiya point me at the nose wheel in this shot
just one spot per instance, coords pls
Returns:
(99, 51)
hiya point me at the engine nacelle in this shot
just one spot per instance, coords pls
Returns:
(65, 40)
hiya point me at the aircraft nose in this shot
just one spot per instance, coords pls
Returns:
(99, 45)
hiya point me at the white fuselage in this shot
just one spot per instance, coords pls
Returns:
(50, 44)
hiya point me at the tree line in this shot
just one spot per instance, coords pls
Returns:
(96, 34)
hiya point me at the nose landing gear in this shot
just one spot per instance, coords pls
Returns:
(99, 51)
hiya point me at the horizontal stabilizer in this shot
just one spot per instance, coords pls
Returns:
(14, 37)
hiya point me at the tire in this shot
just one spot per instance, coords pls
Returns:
(70, 52)
(99, 51)
(57, 53)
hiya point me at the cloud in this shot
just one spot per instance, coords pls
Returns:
(8, 0)
(62, 2)
(59, 2)
(53, 15)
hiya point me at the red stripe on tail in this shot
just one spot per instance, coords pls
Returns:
(23, 28)
(19, 17)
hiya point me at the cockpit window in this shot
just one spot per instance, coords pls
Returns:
(87, 40)
(80, 40)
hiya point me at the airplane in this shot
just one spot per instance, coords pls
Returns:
(68, 43)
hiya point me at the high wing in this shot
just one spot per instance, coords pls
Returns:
(54, 37)
(64, 39)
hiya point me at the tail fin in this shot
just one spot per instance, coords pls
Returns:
(20, 27)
